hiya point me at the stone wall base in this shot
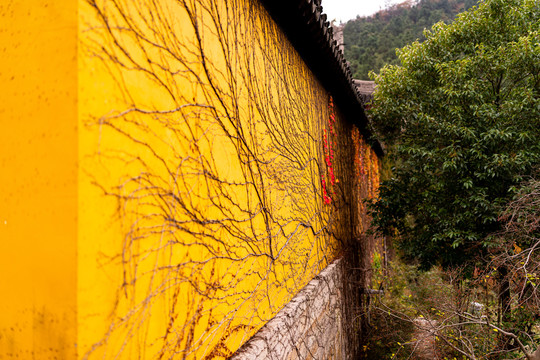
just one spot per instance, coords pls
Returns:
(310, 326)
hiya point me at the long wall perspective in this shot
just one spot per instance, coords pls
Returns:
(179, 171)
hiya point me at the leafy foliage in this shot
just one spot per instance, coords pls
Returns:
(462, 114)
(371, 42)
(462, 316)
(518, 251)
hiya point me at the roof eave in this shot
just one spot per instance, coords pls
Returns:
(311, 34)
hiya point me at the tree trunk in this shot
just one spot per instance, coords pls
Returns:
(504, 303)
(504, 294)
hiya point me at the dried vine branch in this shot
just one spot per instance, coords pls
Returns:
(229, 200)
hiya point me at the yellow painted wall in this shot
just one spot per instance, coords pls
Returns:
(38, 179)
(171, 174)
(201, 136)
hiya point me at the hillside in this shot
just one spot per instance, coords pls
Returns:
(370, 42)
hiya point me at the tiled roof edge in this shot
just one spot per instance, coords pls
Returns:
(311, 34)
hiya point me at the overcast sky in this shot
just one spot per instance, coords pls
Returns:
(344, 10)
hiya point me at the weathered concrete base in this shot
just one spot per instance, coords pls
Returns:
(310, 326)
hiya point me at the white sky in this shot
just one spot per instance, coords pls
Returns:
(344, 10)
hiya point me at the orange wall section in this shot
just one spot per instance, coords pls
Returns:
(38, 179)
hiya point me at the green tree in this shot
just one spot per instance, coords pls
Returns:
(461, 114)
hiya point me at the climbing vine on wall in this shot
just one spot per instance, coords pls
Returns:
(366, 168)
(328, 146)
(222, 155)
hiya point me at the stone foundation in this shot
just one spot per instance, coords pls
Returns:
(308, 327)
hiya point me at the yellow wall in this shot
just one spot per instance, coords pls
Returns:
(203, 127)
(38, 179)
(162, 171)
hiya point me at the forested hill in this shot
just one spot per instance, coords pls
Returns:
(371, 42)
